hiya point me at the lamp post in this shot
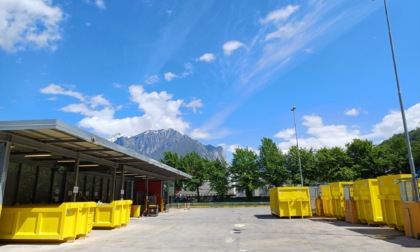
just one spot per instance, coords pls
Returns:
(297, 145)
(407, 138)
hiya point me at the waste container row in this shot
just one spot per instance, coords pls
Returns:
(385, 200)
(61, 222)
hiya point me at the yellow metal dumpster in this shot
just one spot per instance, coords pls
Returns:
(350, 205)
(410, 208)
(125, 212)
(291, 201)
(326, 200)
(108, 215)
(85, 215)
(366, 195)
(62, 222)
(390, 197)
(135, 211)
(274, 203)
(337, 195)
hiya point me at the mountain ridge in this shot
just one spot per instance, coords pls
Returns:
(153, 143)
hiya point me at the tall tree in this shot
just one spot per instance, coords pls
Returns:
(175, 161)
(272, 163)
(332, 165)
(360, 153)
(194, 165)
(245, 171)
(219, 177)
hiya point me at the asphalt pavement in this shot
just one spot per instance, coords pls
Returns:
(232, 229)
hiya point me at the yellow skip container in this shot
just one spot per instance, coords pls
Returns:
(390, 197)
(337, 195)
(64, 222)
(112, 215)
(290, 201)
(366, 195)
(326, 200)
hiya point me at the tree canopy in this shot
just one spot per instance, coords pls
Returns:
(360, 159)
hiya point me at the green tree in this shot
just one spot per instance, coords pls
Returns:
(308, 167)
(219, 177)
(194, 165)
(272, 163)
(397, 154)
(360, 154)
(245, 171)
(175, 161)
(332, 165)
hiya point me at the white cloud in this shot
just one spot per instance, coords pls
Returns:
(157, 111)
(320, 135)
(29, 23)
(194, 105)
(231, 46)
(152, 79)
(99, 100)
(207, 57)
(199, 134)
(286, 134)
(392, 123)
(233, 147)
(280, 15)
(170, 76)
(55, 89)
(352, 112)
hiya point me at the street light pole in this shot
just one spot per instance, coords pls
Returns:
(297, 145)
(407, 138)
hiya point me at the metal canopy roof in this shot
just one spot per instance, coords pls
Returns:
(56, 142)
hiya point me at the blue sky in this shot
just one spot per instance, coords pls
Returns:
(224, 72)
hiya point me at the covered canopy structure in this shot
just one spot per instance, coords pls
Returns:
(57, 151)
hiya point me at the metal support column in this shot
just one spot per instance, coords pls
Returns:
(4, 164)
(76, 180)
(122, 182)
(114, 178)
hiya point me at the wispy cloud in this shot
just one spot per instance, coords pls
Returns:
(194, 105)
(170, 76)
(286, 36)
(231, 46)
(280, 15)
(152, 79)
(29, 23)
(100, 4)
(59, 90)
(188, 69)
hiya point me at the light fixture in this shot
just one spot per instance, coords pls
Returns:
(66, 161)
(39, 155)
(140, 176)
(88, 165)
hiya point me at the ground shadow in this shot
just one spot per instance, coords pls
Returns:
(266, 216)
(379, 232)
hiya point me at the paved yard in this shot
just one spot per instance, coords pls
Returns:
(233, 229)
